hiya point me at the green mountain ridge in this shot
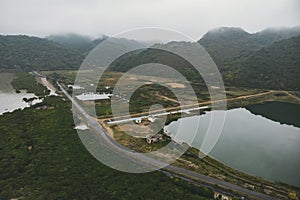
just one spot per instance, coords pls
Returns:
(270, 57)
(272, 65)
(226, 44)
(276, 67)
(22, 52)
(82, 44)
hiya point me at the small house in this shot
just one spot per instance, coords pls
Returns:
(154, 138)
(138, 120)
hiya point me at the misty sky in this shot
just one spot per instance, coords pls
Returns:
(96, 17)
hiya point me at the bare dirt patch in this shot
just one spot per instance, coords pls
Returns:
(176, 85)
(214, 87)
(148, 83)
(140, 131)
(107, 128)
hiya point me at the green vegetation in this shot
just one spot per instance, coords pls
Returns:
(274, 67)
(82, 44)
(214, 168)
(42, 157)
(290, 115)
(140, 100)
(26, 81)
(267, 59)
(207, 166)
(103, 108)
(139, 57)
(227, 43)
(65, 76)
(32, 53)
(138, 144)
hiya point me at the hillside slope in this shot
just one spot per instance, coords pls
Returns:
(32, 53)
(226, 44)
(276, 67)
(82, 44)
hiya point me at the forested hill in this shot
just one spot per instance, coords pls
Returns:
(226, 44)
(82, 44)
(276, 67)
(31, 53)
(258, 62)
(267, 59)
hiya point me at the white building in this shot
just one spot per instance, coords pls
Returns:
(93, 96)
(138, 120)
(75, 87)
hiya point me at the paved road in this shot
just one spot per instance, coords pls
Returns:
(145, 160)
(207, 179)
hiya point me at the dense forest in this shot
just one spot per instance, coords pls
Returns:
(261, 60)
(79, 43)
(267, 59)
(32, 53)
(39, 162)
(229, 43)
(152, 55)
(289, 115)
(42, 157)
(274, 67)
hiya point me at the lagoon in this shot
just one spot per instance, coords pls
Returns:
(253, 143)
(9, 99)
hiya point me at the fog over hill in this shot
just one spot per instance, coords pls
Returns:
(264, 55)
(276, 67)
(227, 43)
(20, 52)
(80, 43)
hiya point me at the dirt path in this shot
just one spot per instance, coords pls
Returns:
(107, 128)
(47, 84)
(291, 95)
(167, 98)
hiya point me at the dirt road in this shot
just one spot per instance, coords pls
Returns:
(197, 104)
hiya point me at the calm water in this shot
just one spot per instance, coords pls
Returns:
(253, 143)
(9, 99)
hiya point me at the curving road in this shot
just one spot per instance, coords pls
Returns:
(147, 161)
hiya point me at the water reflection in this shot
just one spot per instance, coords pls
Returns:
(9, 99)
(252, 143)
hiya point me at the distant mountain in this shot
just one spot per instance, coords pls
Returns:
(32, 53)
(156, 54)
(260, 60)
(276, 67)
(271, 35)
(267, 59)
(226, 44)
(82, 44)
